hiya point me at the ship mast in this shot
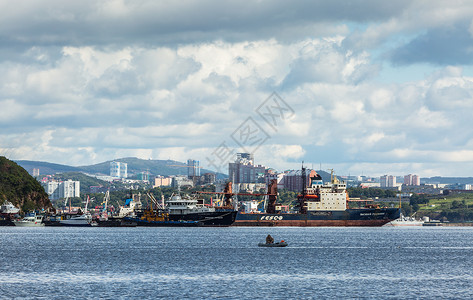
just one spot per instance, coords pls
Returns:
(302, 196)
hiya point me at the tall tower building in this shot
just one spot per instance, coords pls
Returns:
(193, 168)
(243, 170)
(411, 180)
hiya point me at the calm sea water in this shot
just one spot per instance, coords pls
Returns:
(225, 263)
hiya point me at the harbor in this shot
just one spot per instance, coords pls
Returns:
(319, 204)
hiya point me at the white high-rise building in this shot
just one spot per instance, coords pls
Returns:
(69, 189)
(193, 168)
(411, 179)
(64, 189)
(387, 181)
(52, 189)
(118, 169)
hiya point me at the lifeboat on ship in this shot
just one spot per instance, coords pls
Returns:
(308, 196)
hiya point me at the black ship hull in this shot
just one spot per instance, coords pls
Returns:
(218, 218)
(116, 222)
(372, 217)
(147, 223)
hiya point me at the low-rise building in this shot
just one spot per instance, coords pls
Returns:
(181, 181)
(162, 181)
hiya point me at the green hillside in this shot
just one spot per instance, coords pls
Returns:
(20, 188)
(135, 166)
(85, 181)
(45, 167)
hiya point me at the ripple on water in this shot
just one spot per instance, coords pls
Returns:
(203, 263)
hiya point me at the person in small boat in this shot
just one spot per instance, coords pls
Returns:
(269, 239)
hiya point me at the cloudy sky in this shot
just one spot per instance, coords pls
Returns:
(363, 87)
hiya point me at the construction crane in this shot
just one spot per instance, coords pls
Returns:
(185, 166)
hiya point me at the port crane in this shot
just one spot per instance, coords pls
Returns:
(228, 195)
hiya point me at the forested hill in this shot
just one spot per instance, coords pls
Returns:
(20, 188)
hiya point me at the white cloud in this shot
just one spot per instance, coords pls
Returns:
(85, 83)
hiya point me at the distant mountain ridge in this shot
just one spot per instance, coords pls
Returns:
(168, 167)
(134, 166)
(447, 180)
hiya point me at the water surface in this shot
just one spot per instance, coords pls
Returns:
(225, 263)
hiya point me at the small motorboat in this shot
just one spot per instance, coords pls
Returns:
(278, 244)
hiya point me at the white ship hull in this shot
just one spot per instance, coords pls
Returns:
(78, 221)
(36, 221)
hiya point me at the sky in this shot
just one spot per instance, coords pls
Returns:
(362, 87)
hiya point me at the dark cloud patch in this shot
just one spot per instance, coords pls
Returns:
(152, 22)
(439, 46)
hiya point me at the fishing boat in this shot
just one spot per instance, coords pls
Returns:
(189, 208)
(183, 211)
(31, 220)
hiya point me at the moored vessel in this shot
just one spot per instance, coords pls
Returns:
(189, 208)
(30, 220)
(128, 210)
(184, 211)
(321, 204)
(405, 221)
(76, 220)
(7, 213)
(7, 208)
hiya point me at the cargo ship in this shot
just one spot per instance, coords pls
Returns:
(320, 204)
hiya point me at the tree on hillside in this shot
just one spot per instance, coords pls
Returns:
(20, 188)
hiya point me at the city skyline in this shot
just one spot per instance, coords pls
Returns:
(364, 87)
